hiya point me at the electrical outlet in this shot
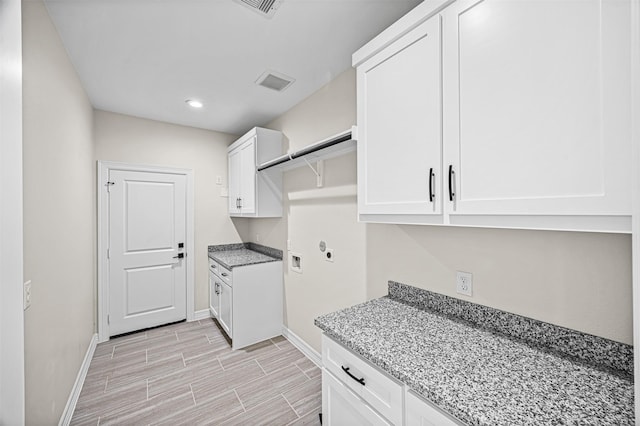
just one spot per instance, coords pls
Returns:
(257, 238)
(26, 295)
(328, 255)
(218, 180)
(464, 283)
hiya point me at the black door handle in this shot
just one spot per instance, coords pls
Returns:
(451, 173)
(346, 370)
(179, 256)
(431, 185)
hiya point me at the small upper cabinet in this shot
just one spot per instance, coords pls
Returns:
(491, 113)
(253, 194)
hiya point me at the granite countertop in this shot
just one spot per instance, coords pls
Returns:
(480, 376)
(242, 254)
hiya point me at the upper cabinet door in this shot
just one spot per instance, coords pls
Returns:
(234, 182)
(248, 177)
(399, 126)
(537, 107)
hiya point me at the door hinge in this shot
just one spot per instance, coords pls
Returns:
(108, 253)
(108, 319)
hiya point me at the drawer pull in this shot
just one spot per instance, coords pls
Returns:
(224, 274)
(346, 370)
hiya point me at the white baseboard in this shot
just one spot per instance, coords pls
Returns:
(302, 346)
(65, 419)
(201, 314)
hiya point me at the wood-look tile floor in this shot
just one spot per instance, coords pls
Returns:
(187, 374)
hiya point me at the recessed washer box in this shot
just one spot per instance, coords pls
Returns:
(295, 262)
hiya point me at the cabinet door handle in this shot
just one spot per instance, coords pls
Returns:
(217, 288)
(431, 191)
(451, 174)
(240, 206)
(346, 370)
(224, 274)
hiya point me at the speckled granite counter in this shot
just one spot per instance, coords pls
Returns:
(232, 255)
(486, 377)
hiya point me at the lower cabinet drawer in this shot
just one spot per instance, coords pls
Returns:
(423, 413)
(342, 407)
(380, 391)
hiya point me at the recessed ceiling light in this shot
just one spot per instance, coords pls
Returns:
(193, 103)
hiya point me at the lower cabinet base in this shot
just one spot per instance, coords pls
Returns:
(340, 406)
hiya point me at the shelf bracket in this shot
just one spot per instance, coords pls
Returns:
(318, 171)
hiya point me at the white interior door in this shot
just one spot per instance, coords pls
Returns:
(147, 222)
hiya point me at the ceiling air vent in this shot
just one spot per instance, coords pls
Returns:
(264, 8)
(274, 80)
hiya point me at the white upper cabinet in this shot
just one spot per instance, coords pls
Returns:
(399, 117)
(535, 112)
(252, 193)
(536, 108)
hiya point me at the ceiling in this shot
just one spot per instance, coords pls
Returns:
(146, 57)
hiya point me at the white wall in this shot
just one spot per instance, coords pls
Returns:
(313, 214)
(140, 141)
(577, 280)
(11, 315)
(59, 218)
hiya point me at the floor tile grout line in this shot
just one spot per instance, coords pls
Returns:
(220, 362)
(294, 410)
(303, 372)
(239, 400)
(252, 408)
(147, 389)
(184, 363)
(193, 395)
(265, 373)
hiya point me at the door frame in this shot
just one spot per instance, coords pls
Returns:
(12, 358)
(104, 167)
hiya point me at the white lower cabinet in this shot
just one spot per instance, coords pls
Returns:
(214, 295)
(226, 306)
(247, 301)
(341, 406)
(354, 392)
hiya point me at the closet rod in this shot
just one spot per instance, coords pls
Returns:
(305, 151)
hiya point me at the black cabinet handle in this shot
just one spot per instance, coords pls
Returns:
(224, 274)
(451, 173)
(431, 176)
(179, 256)
(346, 370)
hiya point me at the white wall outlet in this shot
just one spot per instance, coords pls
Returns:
(224, 192)
(464, 283)
(328, 255)
(26, 295)
(295, 263)
(257, 238)
(218, 180)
